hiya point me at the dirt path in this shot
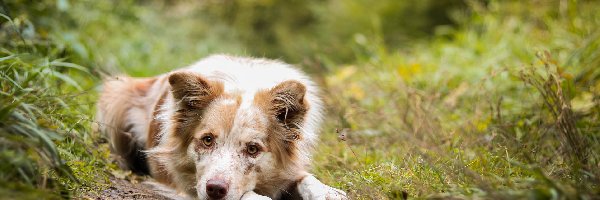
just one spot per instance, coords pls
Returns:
(123, 189)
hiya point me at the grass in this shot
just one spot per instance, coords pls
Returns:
(45, 108)
(479, 116)
(491, 100)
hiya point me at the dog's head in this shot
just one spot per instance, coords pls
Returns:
(239, 142)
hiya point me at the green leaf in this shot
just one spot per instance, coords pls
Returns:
(66, 79)
(48, 144)
(7, 58)
(59, 63)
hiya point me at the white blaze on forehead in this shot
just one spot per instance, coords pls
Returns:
(227, 102)
(249, 120)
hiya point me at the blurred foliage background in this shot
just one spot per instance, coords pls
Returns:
(434, 98)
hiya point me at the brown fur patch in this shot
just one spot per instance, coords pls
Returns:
(155, 125)
(159, 172)
(286, 107)
(186, 168)
(192, 90)
(193, 94)
(220, 117)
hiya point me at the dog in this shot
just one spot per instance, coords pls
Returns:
(225, 127)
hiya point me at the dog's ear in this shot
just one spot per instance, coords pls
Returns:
(192, 91)
(288, 105)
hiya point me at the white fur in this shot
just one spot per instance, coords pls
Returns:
(311, 188)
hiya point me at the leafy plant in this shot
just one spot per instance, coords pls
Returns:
(41, 122)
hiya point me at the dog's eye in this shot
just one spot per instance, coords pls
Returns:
(208, 140)
(252, 149)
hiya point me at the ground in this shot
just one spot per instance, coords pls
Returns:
(124, 189)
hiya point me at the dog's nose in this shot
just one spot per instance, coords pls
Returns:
(216, 188)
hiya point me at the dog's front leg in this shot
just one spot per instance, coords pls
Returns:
(311, 188)
(251, 195)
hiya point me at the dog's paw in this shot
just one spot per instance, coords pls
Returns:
(335, 194)
(251, 195)
(311, 188)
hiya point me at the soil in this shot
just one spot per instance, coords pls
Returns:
(123, 189)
